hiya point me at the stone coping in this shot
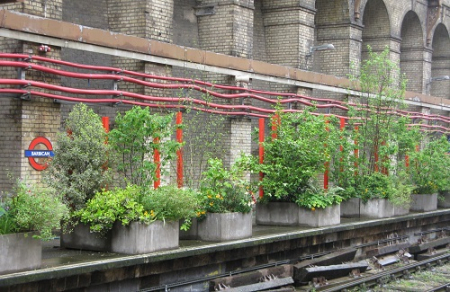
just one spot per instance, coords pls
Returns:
(124, 261)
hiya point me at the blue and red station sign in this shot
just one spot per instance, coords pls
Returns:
(32, 153)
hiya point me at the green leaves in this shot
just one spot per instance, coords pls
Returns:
(135, 203)
(430, 167)
(135, 137)
(294, 159)
(226, 190)
(32, 208)
(78, 169)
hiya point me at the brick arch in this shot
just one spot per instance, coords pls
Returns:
(440, 61)
(412, 51)
(377, 27)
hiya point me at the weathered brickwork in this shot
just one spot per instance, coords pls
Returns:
(27, 119)
(289, 28)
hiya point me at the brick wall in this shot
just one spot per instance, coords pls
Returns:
(289, 31)
(341, 30)
(27, 119)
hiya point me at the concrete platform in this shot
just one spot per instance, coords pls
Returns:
(189, 266)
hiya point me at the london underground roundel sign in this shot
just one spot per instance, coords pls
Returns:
(32, 153)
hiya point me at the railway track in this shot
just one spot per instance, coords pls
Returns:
(392, 279)
(301, 274)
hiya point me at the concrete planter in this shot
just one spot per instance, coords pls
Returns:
(138, 238)
(331, 215)
(225, 226)
(444, 202)
(82, 238)
(19, 252)
(381, 208)
(424, 203)
(290, 214)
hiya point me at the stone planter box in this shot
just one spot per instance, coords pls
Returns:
(290, 214)
(19, 252)
(424, 203)
(381, 208)
(444, 202)
(225, 226)
(138, 238)
(82, 238)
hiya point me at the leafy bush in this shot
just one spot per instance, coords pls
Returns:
(135, 136)
(31, 208)
(171, 203)
(430, 167)
(225, 190)
(313, 198)
(133, 203)
(78, 170)
(293, 161)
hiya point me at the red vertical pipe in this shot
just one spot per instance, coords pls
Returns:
(261, 153)
(275, 123)
(341, 148)
(157, 161)
(105, 122)
(356, 152)
(384, 169)
(179, 121)
(327, 164)
(376, 158)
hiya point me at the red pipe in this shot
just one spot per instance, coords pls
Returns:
(117, 70)
(356, 151)
(179, 120)
(157, 161)
(105, 122)
(327, 163)
(276, 122)
(261, 153)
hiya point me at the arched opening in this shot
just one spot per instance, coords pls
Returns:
(439, 85)
(376, 32)
(411, 52)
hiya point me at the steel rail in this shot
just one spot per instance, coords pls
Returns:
(375, 279)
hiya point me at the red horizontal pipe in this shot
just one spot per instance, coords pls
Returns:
(191, 81)
(294, 98)
(117, 70)
(164, 85)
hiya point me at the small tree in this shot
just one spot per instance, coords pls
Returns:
(135, 137)
(382, 136)
(78, 169)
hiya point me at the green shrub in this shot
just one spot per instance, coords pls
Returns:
(293, 161)
(31, 208)
(133, 140)
(78, 169)
(430, 167)
(225, 190)
(135, 204)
